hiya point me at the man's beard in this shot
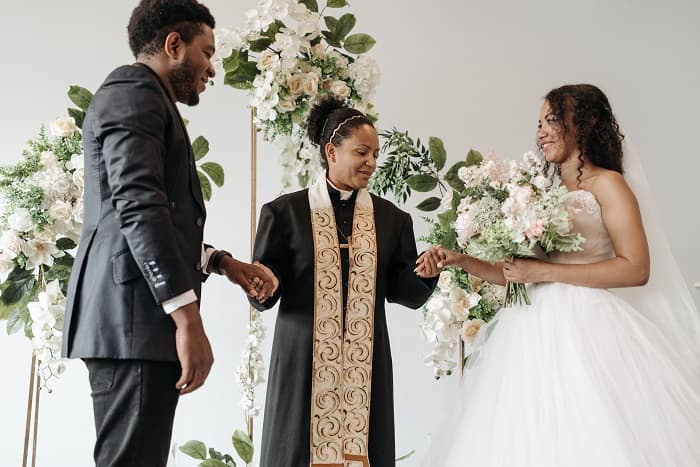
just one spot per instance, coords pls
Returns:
(183, 79)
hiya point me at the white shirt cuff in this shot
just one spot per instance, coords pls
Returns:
(206, 256)
(179, 301)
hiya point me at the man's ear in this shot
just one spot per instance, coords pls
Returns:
(330, 152)
(173, 45)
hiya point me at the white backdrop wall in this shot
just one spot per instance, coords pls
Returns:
(470, 72)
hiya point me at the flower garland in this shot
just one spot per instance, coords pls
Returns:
(288, 57)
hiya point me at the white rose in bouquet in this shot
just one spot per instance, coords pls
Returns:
(310, 85)
(20, 220)
(60, 210)
(470, 329)
(11, 244)
(63, 127)
(340, 89)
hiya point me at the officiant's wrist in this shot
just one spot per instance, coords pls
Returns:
(217, 260)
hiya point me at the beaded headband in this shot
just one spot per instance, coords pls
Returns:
(330, 140)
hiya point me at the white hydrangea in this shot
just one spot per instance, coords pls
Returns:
(365, 73)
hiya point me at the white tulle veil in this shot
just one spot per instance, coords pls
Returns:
(665, 299)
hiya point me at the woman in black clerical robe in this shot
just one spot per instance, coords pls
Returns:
(338, 253)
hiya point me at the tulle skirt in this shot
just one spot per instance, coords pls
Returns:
(579, 378)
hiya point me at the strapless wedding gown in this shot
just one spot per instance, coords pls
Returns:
(578, 379)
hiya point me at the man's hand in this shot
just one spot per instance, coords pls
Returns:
(193, 348)
(255, 279)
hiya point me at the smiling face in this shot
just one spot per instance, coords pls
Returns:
(192, 69)
(557, 143)
(352, 162)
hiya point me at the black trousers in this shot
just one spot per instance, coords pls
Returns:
(134, 404)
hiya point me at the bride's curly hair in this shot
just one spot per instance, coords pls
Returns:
(588, 110)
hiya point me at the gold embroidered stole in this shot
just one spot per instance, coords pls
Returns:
(342, 361)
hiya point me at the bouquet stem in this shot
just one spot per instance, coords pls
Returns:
(516, 294)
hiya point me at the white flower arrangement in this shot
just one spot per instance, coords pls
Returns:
(41, 220)
(455, 313)
(251, 372)
(288, 56)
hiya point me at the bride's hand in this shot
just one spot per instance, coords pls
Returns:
(439, 257)
(524, 271)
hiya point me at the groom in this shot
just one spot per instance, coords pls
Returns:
(132, 311)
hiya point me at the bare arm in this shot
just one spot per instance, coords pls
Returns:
(629, 267)
(482, 269)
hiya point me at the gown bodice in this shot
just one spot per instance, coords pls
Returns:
(586, 219)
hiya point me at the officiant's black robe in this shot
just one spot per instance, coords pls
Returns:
(285, 243)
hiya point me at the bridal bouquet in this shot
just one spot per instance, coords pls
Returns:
(459, 307)
(510, 209)
(41, 215)
(288, 57)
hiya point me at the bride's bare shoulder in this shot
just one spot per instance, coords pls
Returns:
(610, 187)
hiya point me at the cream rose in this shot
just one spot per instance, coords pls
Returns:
(296, 84)
(318, 50)
(286, 105)
(63, 126)
(79, 178)
(310, 85)
(60, 210)
(470, 329)
(340, 89)
(444, 281)
(268, 60)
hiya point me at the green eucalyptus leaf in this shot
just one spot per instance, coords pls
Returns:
(422, 182)
(430, 204)
(337, 3)
(437, 152)
(258, 45)
(359, 43)
(65, 243)
(215, 172)
(243, 445)
(331, 24)
(243, 76)
(450, 240)
(452, 178)
(303, 180)
(14, 322)
(206, 185)
(310, 4)
(213, 463)
(15, 291)
(474, 157)
(345, 25)
(214, 454)
(232, 62)
(446, 219)
(200, 147)
(195, 449)
(331, 39)
(78, 115)
(80, 97)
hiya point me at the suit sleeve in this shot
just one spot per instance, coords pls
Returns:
(404, 286)
(130, 125)
(270, 250)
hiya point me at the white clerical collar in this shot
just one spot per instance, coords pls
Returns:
(344, 195)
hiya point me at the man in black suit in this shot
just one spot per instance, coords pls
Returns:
(133, 300)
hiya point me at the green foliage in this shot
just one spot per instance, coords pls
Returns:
(80, 97)
(359, 43)
(241, 442)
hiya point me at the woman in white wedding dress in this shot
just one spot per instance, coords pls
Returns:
(580, 377)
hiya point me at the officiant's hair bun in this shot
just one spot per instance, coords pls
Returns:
(331, 121)
(152, 21)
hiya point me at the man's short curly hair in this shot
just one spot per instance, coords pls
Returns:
(152, 20)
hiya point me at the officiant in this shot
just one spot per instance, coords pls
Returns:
(339, 253)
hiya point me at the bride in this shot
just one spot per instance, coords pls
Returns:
(581, 377)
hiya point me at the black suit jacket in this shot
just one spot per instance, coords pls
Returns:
(143, 223)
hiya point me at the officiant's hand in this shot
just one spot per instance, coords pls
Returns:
(256, 281)
(427, 264)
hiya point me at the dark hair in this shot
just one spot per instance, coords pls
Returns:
(331, 121)
(152, 20)
(599, 137)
